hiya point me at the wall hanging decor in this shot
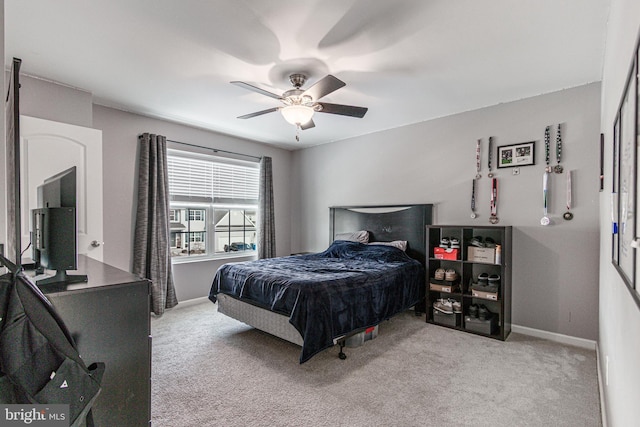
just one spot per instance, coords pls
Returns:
(614, 192)
(601, 162)
(558, 167)
(625, 243)
(490, 157)
(545, 220)
(547, 149)
(516, 155)
(568, 215)
(493, 219)
(474, 215)
(478, 174)
(627, 181)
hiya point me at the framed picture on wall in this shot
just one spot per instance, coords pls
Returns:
(627, 183)
(614, 192)
(636, 140)
(516, 155)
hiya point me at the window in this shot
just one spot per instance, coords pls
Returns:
(235, 230)
(196, 215)
(213, 206)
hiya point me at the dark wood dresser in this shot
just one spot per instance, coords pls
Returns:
(109, 319)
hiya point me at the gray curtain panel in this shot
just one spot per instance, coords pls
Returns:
(266, 222)
(151, 252)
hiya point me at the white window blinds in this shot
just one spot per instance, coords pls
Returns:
(200, 180)
(233, 183)
(190, 180)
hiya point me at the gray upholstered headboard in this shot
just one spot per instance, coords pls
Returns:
(386, 223)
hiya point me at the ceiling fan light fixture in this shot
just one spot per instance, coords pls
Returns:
(297, 114)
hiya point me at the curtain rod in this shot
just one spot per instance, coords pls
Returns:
(215, 150)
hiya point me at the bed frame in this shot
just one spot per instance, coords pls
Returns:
(384, 223)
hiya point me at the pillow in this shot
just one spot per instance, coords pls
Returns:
(361, 236)
(400, 244)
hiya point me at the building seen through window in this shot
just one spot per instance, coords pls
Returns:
(213, 208)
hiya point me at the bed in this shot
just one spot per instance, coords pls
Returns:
(318, 300)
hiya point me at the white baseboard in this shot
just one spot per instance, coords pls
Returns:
(603, 407)
(552, 336)
(191, 302)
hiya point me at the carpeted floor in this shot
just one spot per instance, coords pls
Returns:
(210, 370)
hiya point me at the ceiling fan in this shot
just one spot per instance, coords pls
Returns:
(300, 105)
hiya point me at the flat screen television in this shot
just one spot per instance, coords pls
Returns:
(54, 228)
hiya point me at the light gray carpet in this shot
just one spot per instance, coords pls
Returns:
(210, 370)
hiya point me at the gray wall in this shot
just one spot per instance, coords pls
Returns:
(120, 147)
(555, 271)
(619, 345)
(46, 100)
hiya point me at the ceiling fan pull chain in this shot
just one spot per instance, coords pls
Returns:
(297, 133)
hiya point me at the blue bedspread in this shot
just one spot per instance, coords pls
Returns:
(348, 287)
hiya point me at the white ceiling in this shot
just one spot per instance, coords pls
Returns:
(406, 60)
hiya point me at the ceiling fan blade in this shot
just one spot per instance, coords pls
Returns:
(308, 125)
(256, 89)
(258, 113)
(324, 86)
(343, 110)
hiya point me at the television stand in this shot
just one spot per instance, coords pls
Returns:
(61, 277)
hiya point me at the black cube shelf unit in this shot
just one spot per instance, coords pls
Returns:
(468, 267)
